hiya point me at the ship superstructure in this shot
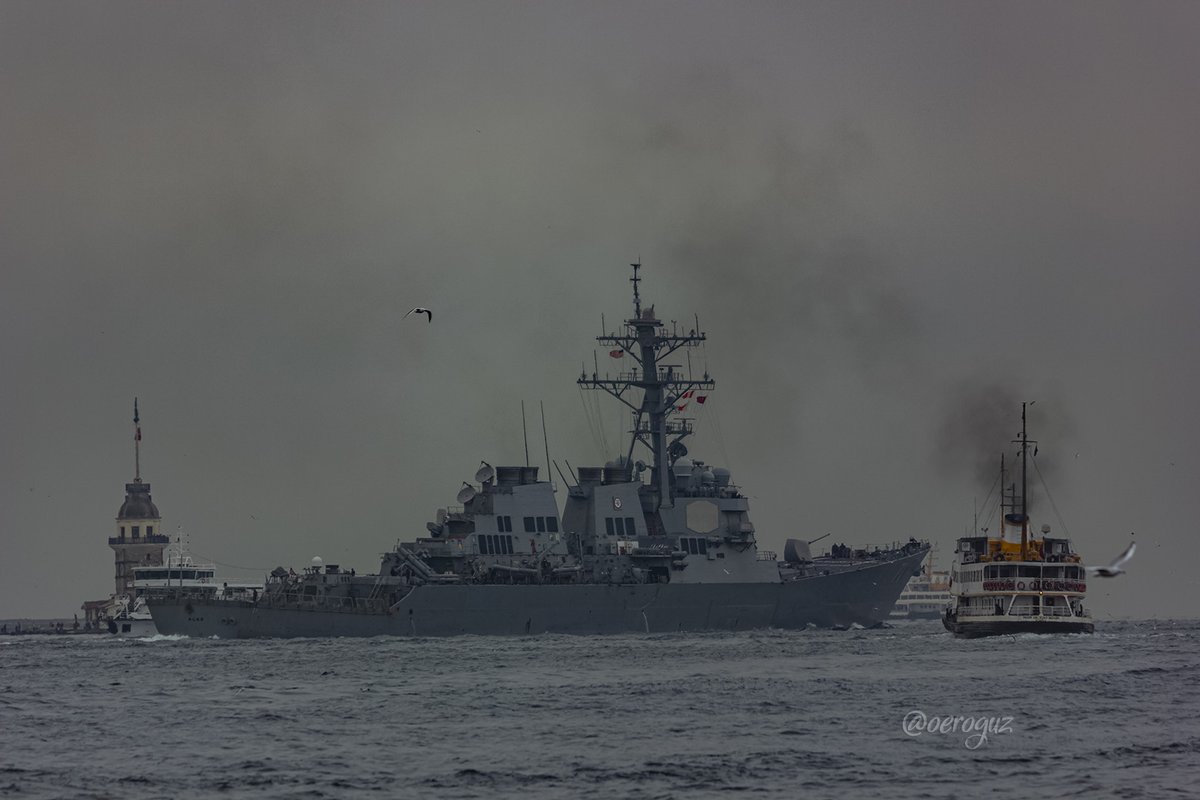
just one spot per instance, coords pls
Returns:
(1016, 581)
(657, 546)
(926, 596)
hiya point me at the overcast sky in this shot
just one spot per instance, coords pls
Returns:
(895, 221)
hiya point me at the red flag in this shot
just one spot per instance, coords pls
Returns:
(616, 353)
(701, 398)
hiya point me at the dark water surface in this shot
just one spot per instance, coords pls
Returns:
(766, 714)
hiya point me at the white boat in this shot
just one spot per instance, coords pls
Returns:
(925, 596)
(1016, 581)
(130, 619)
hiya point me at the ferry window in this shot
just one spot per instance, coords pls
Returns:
(620, 523)
(702, 546)
(552, 524)
(136, 531)
(122, 531)
(529, 527)
(630, 526)
(508, 545)
(507, 524)
(541, 524)
(149, 530)
(483, 543)
(500, 524)
(608, 525)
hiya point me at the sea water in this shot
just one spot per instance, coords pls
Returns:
(905, 711)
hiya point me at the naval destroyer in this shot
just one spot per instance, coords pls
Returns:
(663, 544)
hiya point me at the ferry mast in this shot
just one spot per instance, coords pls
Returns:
(1024, 442)
(663, 385)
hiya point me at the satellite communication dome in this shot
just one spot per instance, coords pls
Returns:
(316, 561)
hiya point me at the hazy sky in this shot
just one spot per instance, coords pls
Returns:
(895, 222)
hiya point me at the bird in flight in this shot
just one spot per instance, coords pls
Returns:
(1114, 569)
(420, 310)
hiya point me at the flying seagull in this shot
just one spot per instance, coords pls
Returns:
(420, 310)
(1114, 569)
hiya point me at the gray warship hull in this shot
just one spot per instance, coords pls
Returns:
(859, 596)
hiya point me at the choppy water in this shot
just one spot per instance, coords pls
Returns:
(772, 714)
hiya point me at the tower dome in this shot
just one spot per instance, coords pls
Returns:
(138, 504)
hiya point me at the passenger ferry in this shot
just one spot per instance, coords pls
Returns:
(926, 595)
(1016, 581)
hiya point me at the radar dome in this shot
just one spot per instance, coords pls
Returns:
(316, 561)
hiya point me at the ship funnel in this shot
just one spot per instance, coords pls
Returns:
(508, 476)
(590, 476)
(617, 470)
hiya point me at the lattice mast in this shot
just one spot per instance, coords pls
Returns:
(648, 340)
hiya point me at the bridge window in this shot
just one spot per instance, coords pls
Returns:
(620, 525)
(541, 524)
(552, 524)
(529, 526)
(608, 525)
(630, 526)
